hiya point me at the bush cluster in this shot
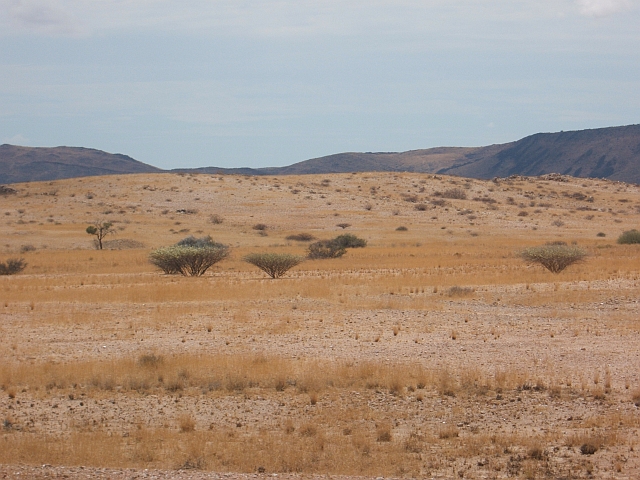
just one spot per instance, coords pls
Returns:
(554, 257)
(629, 237)
(454, 193)
(12, 266)
(336, 247)
(190, 256)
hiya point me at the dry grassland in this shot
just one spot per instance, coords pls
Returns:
(433, 352)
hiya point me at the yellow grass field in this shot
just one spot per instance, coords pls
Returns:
(433, 352)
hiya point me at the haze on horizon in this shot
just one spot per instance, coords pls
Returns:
(273, 82)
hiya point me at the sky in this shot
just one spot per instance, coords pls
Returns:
(258, 83)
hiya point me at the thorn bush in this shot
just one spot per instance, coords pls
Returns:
(336, 247)
(325, 249)
(629, 237)
(190, 256)
(12, 266)
(274, 264)
(301, 237)
(554, 258)
(350, 241)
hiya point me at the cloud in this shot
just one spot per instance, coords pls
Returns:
(38, 16)
(602, 8)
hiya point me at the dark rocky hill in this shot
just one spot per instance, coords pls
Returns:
(612, 153)
(28, 164)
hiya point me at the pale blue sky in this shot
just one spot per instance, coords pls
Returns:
(268, 83)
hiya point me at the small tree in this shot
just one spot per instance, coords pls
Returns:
(100, 230)
(274, 264)
(554, 258)
(629, 237)
(12, 266)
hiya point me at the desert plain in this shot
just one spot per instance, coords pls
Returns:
(433, 352)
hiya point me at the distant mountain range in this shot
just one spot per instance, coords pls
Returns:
(612, 153)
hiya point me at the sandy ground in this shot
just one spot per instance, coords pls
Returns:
(567, 347)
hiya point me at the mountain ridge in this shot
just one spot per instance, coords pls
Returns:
(611, 152)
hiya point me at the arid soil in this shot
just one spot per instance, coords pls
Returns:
(433, 352)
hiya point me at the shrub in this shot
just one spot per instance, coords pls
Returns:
(334, 248)
(554, 258)
(12, 266)
(325, 249)
(629, 237)
(301, 237)
(260, 227)
(485, 199)
(401, 229)
(409, 198)
(190, 256)
(274, 264)
(150, 360)
(456, 291)
(590, 447)
(350, 241)
(455, 193)
(202, 242)
(343, 225)
(216, 219)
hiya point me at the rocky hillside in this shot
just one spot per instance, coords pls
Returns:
(27, 164)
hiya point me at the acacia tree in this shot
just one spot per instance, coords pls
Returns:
(100, 230)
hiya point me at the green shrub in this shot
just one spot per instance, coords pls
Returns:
(190, 256)
(350, 241)
(274, 264)
(554, 258)
(202, 242)
(301, 237)
(336, 247)
(325, 249)
(629, 237)
(12, 266)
